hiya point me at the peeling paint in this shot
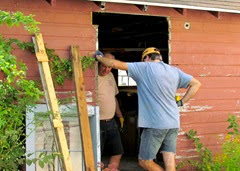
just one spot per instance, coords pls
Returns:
(183, 139)
(238, 103)
(199, 136)
(64, 92)
(204, 75)
(227, 90)
(190, 150)
(237, 113)
(87, 93)
(186, 157)
(186, 139)
(184, 108)
(201, 108)
(181, 133)
(221, 136)
(188, 108)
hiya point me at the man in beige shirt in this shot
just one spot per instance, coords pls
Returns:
(108, 104)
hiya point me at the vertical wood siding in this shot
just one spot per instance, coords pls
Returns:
(209, 51)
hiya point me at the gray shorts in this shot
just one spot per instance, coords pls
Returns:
(154, 139)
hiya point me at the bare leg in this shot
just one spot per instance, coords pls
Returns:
(114, 162)
(102, 165)
(169, 161)
(150, 165)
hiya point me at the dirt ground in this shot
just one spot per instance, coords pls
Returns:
(127, 163)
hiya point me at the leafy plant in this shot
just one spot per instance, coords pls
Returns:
(17, 94)
(43, 159)
(61, 69)
(87, 62)
(17, 19)
(206, 160)
(228, 159)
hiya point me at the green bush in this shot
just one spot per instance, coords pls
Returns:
(229, 157)
(16, 94)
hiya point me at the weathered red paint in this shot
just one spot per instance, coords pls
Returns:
(205, 59)
(193, 117)
(211, 70)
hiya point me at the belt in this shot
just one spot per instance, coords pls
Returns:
(106, 120)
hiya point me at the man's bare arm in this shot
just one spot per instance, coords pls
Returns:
(118, 110)
(113, 63)
(194, 86)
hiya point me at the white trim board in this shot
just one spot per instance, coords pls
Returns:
(161, 4)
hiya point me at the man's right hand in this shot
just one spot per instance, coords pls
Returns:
(179, 103)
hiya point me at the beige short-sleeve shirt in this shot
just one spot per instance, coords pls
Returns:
(107, 90)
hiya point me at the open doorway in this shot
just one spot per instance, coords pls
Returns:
(126, 36)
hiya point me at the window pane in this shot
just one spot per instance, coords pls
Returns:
(132, 82)
(122, 80)
(122, 72)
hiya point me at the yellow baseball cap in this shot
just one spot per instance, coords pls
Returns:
(149, 51)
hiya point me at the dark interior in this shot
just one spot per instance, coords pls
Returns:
(126, 36)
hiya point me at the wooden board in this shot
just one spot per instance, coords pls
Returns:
(82, 110)
(52, 102)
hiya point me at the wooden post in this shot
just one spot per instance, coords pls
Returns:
(82, 110)
(52, 102)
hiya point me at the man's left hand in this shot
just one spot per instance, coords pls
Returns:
(98, 54)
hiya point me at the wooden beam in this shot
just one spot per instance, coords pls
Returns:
(52, 103)
(84, 125)
(142, 7)
(181, 11)
(52, 2)
(215, 14)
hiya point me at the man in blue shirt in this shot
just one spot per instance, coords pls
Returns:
(157, 84)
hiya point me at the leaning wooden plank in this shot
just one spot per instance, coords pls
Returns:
(52, 102)
(82, 110)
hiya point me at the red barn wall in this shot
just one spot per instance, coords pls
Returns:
(208, 50)
(61, 26)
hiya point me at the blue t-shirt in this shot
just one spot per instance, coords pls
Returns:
(157, 84)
